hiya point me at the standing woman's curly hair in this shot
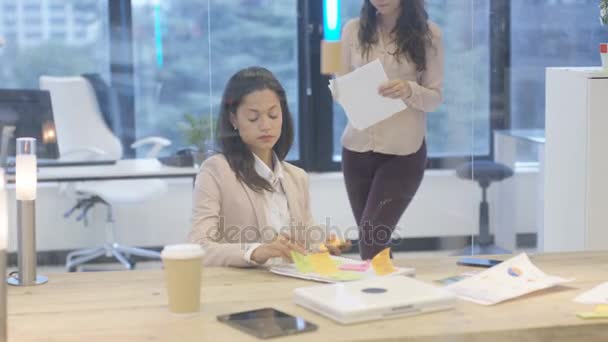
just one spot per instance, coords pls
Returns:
(411, 33)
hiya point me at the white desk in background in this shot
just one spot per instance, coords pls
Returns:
(523, 151)
(121, 170)
(576, 177)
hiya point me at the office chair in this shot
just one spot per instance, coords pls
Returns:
(82, 134)
(484, 173)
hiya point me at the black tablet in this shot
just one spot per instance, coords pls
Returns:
(267, 323)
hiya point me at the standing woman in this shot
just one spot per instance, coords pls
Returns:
(383, 165)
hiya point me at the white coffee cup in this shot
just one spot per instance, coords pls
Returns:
(183, 270)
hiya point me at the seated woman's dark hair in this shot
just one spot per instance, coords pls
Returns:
(229, 142)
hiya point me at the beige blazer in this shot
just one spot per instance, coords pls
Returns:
(227, 216)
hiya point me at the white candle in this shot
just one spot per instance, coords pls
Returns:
(25, 174)
(26, 169)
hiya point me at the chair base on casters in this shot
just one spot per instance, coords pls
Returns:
(121, 253)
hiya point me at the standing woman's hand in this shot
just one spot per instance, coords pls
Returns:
(395, 89)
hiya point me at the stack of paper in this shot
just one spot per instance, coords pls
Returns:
(357, 93)
(509, 279)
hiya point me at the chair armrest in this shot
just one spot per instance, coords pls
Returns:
(85, 153)
(158, 143)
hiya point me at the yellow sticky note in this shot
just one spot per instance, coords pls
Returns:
(382, 263)
(592, 315)
(333, 241)
(347, 276)
(601, 308)
(302, 262)
(323, 264)
(601, 311)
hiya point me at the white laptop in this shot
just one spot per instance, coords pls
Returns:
(373, 299)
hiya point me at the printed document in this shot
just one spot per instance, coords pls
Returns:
(357, 93)
(597, 295)
(510, 279)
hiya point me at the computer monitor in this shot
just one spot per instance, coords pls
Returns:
(27, 113)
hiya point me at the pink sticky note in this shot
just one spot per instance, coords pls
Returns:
(355, 267)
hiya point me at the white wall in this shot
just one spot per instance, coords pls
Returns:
(444, 206)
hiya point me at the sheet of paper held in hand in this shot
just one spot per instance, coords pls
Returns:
(357, 93)
(509, 279)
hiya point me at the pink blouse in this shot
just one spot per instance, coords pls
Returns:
(402, 133)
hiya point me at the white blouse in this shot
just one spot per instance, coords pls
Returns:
(277, 208)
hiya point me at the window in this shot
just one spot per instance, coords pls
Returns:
(548, 34)
(32, 35)
(461, 126)
(8, 7)
(58, 22)
(58, 35)
(32, 21)
(185, 53)
(31, 8)
(28, 54)
(57, 8)
(80, 34)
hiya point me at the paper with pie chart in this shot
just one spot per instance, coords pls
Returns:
(510, 279)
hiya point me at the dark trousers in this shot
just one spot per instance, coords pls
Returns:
(380, 187)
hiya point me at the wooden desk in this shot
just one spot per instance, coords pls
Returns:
(131, 306)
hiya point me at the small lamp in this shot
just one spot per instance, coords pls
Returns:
(25, 184)
(3, 247)
(331, 47)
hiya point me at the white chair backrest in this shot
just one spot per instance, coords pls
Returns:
(78, 119)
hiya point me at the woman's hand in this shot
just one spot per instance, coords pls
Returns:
(336, 246)
(279, 248)
(395, 89)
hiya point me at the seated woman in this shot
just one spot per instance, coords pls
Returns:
(250, 205)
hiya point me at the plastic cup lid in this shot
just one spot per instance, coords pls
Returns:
(182, 251)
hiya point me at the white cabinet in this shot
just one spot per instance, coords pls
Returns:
(576, 160)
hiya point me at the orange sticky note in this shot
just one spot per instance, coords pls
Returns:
(323, 264)
(382, 263)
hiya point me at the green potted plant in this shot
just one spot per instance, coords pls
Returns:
(196, 130)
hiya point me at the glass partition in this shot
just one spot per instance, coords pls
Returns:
(185, 52)
(545, 34)
(55, 38)
(488, 155)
